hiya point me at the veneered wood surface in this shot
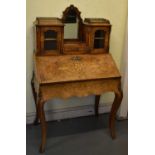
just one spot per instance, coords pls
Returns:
(63, 68)
(78, 88)
(97, 20)
(48, 21)
(74, 47)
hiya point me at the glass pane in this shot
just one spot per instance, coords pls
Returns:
(50, 45)
(100, 33)
(50, 34)
(99, 43)
(71, 17)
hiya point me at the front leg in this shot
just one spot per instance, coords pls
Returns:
(115, 106)
(43, 125)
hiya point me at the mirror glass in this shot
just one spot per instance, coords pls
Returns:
(71, 30)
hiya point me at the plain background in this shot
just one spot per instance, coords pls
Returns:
(141, 77)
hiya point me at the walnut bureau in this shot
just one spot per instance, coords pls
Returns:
(75, 65)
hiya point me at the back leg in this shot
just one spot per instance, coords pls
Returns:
(97, 100)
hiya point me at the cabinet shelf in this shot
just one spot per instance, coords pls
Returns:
(50, 39)
(99, 38)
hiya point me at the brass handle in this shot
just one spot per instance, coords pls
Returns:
(76, 58)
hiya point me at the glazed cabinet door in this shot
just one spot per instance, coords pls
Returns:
(100, 40)
(51, 41)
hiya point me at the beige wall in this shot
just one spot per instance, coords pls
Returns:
(115, 11)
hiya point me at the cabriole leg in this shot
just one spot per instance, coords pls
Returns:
(43, 125)
(115, 106)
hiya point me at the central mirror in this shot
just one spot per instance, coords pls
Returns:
(71, 30)
(73, 22)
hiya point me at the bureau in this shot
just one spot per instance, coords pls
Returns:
(72, 58)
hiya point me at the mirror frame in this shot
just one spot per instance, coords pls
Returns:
(78, 13)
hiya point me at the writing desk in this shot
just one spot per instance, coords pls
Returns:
(65, 76)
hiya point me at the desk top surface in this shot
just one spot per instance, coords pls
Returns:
(66, 68)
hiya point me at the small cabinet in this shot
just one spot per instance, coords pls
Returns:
(97, 34)
(49, 36)
(51, 40)
(100, 40)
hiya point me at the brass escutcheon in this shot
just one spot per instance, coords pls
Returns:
(76, 58)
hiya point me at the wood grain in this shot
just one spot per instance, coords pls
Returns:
(64, 68)
(78, 88)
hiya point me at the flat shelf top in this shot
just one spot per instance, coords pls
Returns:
(48, 21)
(66, 68)
(96, 21)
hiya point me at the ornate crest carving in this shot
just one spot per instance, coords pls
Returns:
(73, 10)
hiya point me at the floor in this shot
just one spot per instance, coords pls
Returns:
(79, 136)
